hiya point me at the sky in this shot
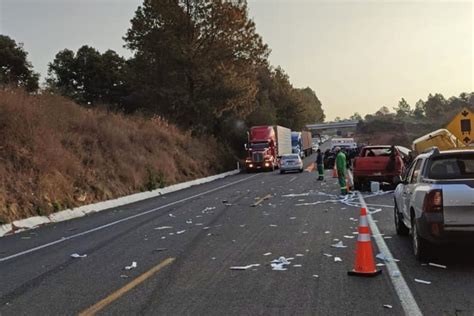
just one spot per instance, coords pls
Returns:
(356, 55)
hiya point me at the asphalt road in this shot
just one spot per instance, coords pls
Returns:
(184, 251)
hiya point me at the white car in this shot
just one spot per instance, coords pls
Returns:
(435, 200)
(291, 162)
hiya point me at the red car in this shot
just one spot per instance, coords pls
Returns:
(381, 163)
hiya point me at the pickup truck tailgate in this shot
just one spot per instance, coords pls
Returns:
(371, 164)
(458, 206)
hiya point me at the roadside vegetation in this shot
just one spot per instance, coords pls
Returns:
(55, 154)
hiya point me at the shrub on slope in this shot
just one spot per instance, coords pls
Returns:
(55, 154)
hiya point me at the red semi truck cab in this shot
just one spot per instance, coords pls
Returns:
(262, 151)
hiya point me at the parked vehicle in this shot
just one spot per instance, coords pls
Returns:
(265, 145)
(442, 139)
(301, 143)
(329, 159)
(291, 162)
(346, 143)
(435, 200)
(306, 143)
(296, 144)
(378, 163)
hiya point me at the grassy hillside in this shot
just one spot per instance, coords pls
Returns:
(55, 154)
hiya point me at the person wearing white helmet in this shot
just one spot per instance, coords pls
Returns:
(341, 165)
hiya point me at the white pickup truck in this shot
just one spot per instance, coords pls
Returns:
(435, 200)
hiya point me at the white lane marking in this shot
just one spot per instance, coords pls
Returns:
(63, 239)
(293, 179)
(403, 291)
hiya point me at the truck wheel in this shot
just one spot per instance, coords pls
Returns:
(421, 247)
(399, 224)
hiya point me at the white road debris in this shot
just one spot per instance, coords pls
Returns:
(132, 266)
(245, 267)
(267, 254)
(76, 255)
(337, 259)
(348, 237)
(437, 265)
(422, 281)
(171, 215)
(163, 227)
(388, 306)
(327, 255)
(339, 245)
(180, 232)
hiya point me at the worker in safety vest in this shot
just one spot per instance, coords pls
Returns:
(341, 165)
(320, 164)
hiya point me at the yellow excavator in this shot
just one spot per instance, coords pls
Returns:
(441, 138)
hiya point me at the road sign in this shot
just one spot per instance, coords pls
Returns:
(462, 126)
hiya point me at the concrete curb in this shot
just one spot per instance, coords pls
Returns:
(36, 221)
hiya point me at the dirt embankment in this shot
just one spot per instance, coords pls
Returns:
(55, 154)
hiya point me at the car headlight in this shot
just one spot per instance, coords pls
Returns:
(251, 165)
(267, 164)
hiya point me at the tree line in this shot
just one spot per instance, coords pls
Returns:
(200, 64)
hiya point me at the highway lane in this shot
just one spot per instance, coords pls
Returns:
(208, 235)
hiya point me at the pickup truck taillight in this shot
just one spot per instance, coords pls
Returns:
(433, 201)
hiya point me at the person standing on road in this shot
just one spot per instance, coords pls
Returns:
(341, 165)
(320, 164)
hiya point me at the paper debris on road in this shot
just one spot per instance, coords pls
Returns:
(163, 227)
(305, 232)
(380, 265)
(348, 237)
(300, 255)
(437, 265)
(315, 276)
(335, 239)
(245, 267)
(327, 232)
(387, 237)
(242, 225)
(171, 215)
(189, 221)
(76, 255)
(207, 209)
(267, 254)
(422, 281)
(388, 306)
(278, 267)
(292, 218)
(327, 255)
(124, 276)
(376, 211)
(282, 260)
(199, 224)
(180, 232)
(337, 259)
(273, 225)
(132, 266)
(297, 265)
(339, 245)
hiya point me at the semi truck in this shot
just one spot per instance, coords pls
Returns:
(266, 144)
(301, 143)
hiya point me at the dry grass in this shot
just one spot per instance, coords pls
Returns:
(55, 154)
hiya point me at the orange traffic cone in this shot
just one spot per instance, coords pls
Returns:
(364, 263)
(334, 172)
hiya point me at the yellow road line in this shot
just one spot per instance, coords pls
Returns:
(266, 197)
(125, 289)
